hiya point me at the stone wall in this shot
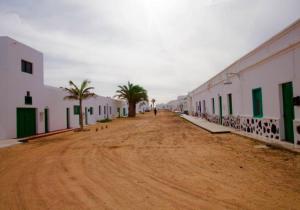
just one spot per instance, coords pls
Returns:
(268, 128)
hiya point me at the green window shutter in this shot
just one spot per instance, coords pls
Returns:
(230, 104)
(257, 103)
(76, 110)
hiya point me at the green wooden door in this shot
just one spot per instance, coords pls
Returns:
(288, 111)
(220, 109)
(68, 117)
(26, 122)
(46, 121)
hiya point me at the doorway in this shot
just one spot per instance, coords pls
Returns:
(288, 111)
(68, 117)
(86, 115)
(46, 111)
(220, 109)
(26, 122)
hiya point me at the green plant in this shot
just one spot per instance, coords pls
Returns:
(133, 94)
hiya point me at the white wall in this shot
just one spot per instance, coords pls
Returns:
(275, 62)
(14, 84)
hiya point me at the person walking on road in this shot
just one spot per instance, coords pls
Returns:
(155, 111)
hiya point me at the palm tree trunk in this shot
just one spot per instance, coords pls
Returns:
(134, 109)
(131, 110)
(80, 115)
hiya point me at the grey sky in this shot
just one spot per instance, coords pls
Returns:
(168, 46)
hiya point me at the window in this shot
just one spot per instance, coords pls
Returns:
(76, 110)
(104, 109)
(204, 107)
(26, 67)
(213, 105)
(257, 103)
(28, 98)
(99, 110)
(110, 110)
(229, 103)
(91, 111)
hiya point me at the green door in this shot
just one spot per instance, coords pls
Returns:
(46, 121)
(86, 115)
(124, 112)
(288, 111)
(68, 117)
(220, 109)
(26, 122)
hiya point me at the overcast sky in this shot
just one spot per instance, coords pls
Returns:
(168, 46)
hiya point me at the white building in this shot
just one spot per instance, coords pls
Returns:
(259, 93)
(142, 106)
(180, 104)
(28, 107)
(173, 105)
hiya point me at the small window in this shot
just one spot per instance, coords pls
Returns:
(91, 111)
(28, 98)
(229, 103)
(213, 105)
(99, 110)
(26, 67)
(257, 103)
(76, 110)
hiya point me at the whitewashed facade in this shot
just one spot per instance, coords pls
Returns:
(180, 104)
(46, 107)
(259, 93)
(142, 107)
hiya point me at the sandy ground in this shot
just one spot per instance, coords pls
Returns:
(148, 163)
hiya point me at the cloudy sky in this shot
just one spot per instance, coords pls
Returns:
(168, 46)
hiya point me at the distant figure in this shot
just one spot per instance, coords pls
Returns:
(155, 111)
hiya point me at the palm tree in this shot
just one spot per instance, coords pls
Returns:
(133, 94)
(79, 93)
(153, 101)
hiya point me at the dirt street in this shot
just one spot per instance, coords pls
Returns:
(149, 162)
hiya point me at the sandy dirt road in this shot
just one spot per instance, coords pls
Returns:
(147, 163)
